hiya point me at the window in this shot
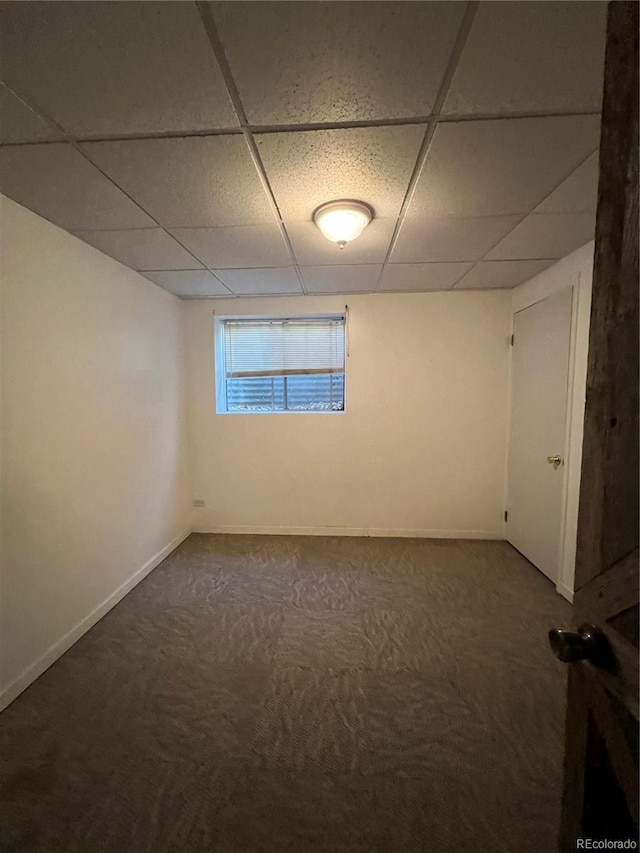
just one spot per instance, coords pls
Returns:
(280, 365)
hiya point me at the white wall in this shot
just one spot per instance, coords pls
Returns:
(94, 477)
(575, 271)
(419, 450)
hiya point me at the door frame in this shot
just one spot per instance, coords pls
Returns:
(574, 271)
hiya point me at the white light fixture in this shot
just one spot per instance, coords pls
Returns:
(342, 221)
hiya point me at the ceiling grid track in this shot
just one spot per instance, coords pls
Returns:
(78, 147)
(401, 236)
(456, 52)
(217, 47)
(524, 216)
(258, 129)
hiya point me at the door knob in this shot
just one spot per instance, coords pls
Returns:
(587, 643)
(555, 460)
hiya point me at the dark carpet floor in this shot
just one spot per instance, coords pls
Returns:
(273, 694)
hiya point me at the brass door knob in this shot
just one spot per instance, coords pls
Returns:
(555, 460)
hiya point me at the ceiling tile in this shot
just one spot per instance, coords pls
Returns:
(242, 247)
(142, 249)
(372, 164)
(189, 182)
(531, 56)
(312, 248)
(546, 235)
(189, 283)
(498, 274)
(119, 67)
(57, 182)
(341, 279)
(254, 282)
(20, 124)
(507, 166)
(317, 62)
(578, 194)
(449, 239)
(422, 276)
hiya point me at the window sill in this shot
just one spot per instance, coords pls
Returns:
(251, 414)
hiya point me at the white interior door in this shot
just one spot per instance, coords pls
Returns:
(540, 369)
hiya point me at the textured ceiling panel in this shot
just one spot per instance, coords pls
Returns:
(312, 248)
(342, 279)
(422, 276)
(229, 248)
(187, 183)
(319, 62)
(114, 68)
(57, 182)
(578, 194)
(489, 168)
(262, 282)
(189, 283)
(449, 239)
(142, 249)
(20, 124)
(494, 274)
(372, 164)
(546, 235)
(531, 56)
(498, 197)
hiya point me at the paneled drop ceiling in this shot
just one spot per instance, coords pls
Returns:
(192, 141)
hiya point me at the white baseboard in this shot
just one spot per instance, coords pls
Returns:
(565, 592)
(34, 670)
(388, 532)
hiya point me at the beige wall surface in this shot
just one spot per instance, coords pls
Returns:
(419, 450)
(94, 474)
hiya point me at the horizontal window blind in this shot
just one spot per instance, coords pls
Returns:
(284, 365)
(276, 347)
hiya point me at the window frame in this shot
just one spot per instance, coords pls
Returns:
(219, 361)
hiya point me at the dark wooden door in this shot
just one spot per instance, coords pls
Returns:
(601, 752)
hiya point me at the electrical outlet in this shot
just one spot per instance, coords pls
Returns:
(198, 503)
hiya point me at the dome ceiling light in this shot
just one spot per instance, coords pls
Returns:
(342, 221)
